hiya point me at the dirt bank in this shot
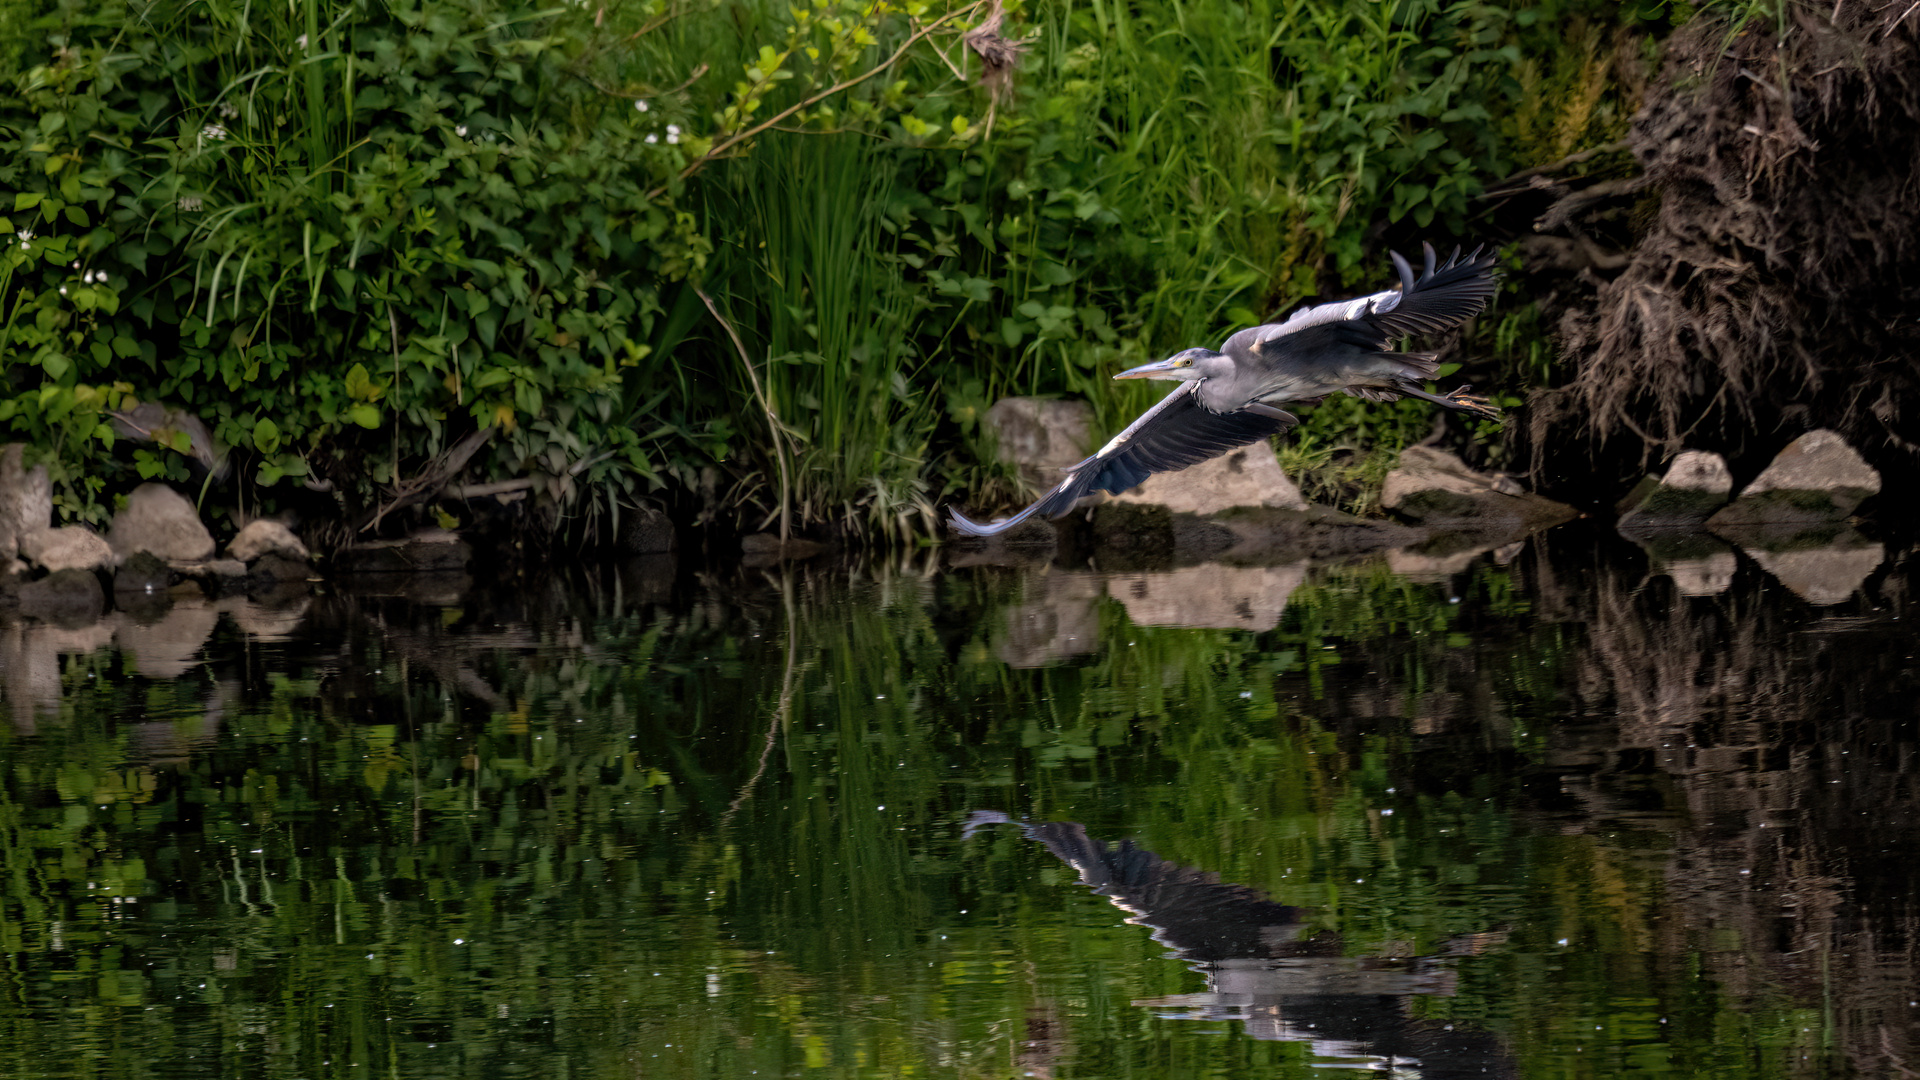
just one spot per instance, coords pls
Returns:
(1753, 271)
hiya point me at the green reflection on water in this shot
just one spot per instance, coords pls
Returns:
(580, 837)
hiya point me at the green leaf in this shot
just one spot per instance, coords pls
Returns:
(26, 200)
(266, 436)
(358, 384)
(367, 416)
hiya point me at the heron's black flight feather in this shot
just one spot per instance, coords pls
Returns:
(1172, 435)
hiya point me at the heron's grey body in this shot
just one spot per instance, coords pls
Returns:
(1232, 397)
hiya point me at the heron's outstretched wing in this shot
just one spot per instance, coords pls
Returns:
(1175, 433)
(1444, 295)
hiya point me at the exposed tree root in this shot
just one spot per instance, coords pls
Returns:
(1771, 266)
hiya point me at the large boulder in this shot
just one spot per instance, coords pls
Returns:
(1436, 489)
(264, 536)
(1817, 480)
(1249, 476)
(160, 520)
(645, 530)
(1697, 484)
(1040, 436)
(70, 547)
(142, 572)
(26, 499)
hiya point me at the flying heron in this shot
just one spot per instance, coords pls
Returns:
(1230, 398)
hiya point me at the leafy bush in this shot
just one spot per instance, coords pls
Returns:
(354, 237)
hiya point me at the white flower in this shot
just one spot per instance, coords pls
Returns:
(228, 110)
(100, 276)
(673, 129)
(672, 137)
(301, 41)
(461, 131)
(87, 278)
(653, 138)
(25, 235)
(63, 290)
(213, 131)
(640, 105)
(189, 202)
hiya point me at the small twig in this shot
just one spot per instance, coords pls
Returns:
(731, 141)
(1501, 188)
(434, 478)
(481, 491)
(773, 418)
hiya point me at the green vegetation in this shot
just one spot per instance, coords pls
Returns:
(769, 262)
(725, 838)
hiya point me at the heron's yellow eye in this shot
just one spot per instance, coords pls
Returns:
(1183, 363)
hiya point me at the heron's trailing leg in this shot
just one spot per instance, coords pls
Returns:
(1461, 400)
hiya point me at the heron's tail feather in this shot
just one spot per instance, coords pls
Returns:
(960, 523)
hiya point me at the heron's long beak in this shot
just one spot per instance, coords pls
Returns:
(1147, 371)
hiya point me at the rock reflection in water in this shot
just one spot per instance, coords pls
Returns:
(1268, 969)
(163, 641)
(1825, 574)
(1209, 597)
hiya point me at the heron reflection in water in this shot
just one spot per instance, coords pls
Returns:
(1271, 969)
(1233, 397)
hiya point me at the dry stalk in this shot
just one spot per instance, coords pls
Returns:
(766, 404)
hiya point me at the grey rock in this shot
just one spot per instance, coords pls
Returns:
(26, 498)
(1817, 479)
(645, 531)
(70, 547)
(1437, 490)
(275, 567)
(264, 536)
(1696, 484)
(142, 572)
(160, 520)
(1248, 476)
(153, 422)
(1040, 436)
(66, 597)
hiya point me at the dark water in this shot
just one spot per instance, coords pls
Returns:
(1551, 816)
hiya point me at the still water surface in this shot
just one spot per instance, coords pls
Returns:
(1543, 814)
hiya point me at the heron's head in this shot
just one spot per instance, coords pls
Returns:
(1185, 366)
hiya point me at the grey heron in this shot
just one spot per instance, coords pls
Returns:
(1232, 397)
